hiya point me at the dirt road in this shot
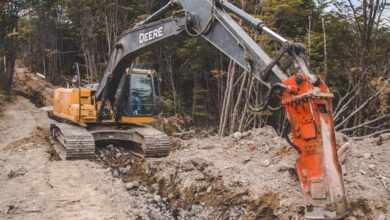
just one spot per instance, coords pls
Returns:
(34, 187)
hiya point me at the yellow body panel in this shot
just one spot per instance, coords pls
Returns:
(66, 105)
(137, 120)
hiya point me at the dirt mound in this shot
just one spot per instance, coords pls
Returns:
(173, 124)
(246, 176)
(250, 176)
(29, 85)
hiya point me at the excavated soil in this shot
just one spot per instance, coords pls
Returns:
(29, 85)
(250, 178)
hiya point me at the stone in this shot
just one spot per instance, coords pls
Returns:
(118, 155)
(110, 147)
(381, 217)
(246, 134)
(132, 185)
(237, 136)
(157, 198)
(372, 167)
(115, 174)
(285, 203)
(125, 170)
(209, 189)
(266, 163)
(367, 156)
(171, 196)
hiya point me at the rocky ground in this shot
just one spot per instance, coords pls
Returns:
(246, 176)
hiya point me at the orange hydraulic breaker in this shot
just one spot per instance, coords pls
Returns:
(309, 111)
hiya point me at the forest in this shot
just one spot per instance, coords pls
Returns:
(347, 43)
(215, 109)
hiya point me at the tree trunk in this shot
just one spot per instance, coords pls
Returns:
(230, 88)
(238, 103)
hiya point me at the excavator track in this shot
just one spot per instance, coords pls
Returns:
(145, 140)
(72, 142)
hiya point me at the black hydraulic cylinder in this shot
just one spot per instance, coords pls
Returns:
(254, 22)
(157, 15)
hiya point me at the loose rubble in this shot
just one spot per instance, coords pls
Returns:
(249, 176)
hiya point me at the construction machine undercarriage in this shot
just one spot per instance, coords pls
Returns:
(73, 142)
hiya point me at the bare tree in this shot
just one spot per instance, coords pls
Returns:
(170, 80)
(367, 17)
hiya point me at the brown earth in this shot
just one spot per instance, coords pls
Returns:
(27, 84)
(254, 178)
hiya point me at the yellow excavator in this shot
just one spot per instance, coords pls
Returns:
(75, 137)
(121, 106)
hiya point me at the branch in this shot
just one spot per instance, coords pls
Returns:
(345, 107)
(362, 106)
(371, 135)
(350, 92)
(339, 108)
(364, 124)
(355, 16)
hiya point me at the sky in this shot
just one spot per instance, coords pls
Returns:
(386, 13)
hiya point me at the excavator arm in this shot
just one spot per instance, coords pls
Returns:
(304, 95)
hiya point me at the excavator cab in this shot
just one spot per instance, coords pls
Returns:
(136, 96)
(141, 93)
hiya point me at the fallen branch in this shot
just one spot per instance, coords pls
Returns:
(361, 107)
(339, 105)
(371, 135)
(364, 124)
(343, 108)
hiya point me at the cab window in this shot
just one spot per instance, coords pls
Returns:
(141, 95)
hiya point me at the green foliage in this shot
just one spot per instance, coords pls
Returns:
(54, 34)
